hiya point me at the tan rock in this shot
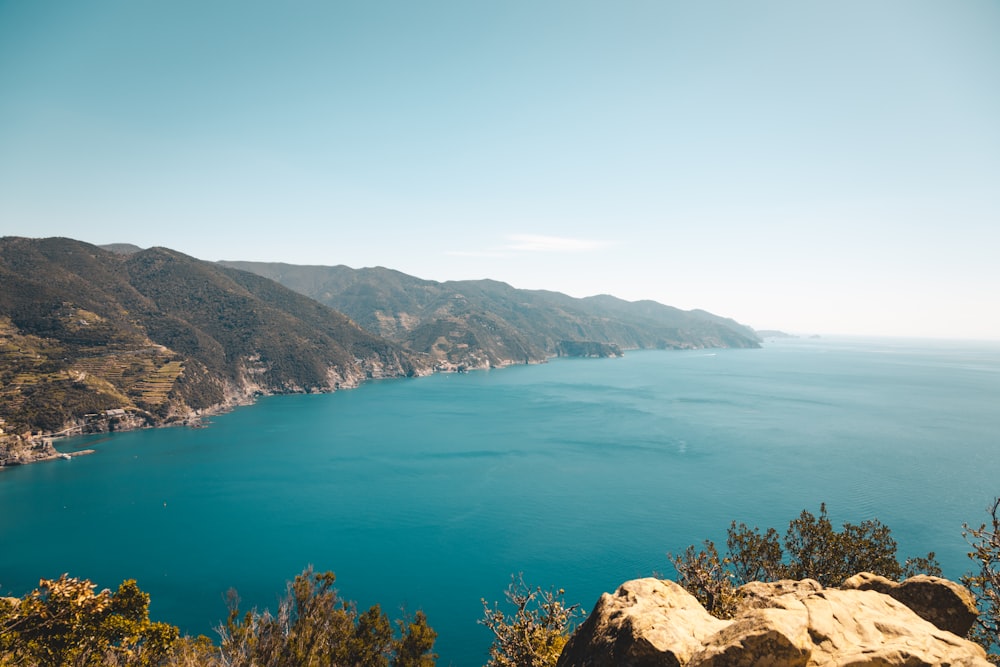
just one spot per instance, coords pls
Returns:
(769, 594)
(944, 603)
(648, 623)
(864, 627)
(764, 637)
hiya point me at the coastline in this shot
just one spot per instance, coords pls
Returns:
(376, 475)
(18, 450)
(39, 447)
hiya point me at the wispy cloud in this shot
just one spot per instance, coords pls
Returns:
(518, 244)
(536, 243)
(478, 253)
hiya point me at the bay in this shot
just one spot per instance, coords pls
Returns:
(430, 493)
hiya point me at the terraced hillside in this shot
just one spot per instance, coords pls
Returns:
(95, 340)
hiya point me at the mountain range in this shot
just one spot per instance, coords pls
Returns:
(484, 323)
(103, 338)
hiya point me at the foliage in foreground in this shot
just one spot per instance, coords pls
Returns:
(812, 549)
(985, 581)
(65, 623)
(536, 633)
(313, 626)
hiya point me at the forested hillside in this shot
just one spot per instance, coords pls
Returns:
(95, 340)
(477, 323)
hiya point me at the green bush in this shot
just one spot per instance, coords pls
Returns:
(813, 549)
(985, 581)
(313, 626)
(536, 633)
(65, 623)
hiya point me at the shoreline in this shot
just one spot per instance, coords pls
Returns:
(237, 399)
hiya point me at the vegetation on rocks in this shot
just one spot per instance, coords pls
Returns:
(535, 634)
(313, 626)
(64, 623)
(811, 549)
(984, 582)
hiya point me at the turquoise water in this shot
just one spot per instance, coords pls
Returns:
(429, 493)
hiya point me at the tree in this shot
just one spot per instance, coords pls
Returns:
(812, 549)
(817, 551)
(754, 557)
(313, 626)
(536, 633)
(64, 622)
(985, 582)
(416, 640)
(193, 652)
(708, 578)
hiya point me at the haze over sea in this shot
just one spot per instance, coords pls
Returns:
(429, 493)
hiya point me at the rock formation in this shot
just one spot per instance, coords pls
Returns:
(944, 603)
(653, 623)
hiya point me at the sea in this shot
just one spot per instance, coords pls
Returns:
(432, 493)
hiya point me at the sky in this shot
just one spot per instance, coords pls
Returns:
(815, 167)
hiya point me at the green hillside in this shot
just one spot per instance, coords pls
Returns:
(485, 322)
(96, 340)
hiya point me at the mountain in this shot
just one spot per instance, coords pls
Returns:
(92, 339)
(101, 338)
(121, 248)
(482, 323)
(773, 333)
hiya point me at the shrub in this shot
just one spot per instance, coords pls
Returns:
(313, 626)
(812, 549)
(536, 633)
(985, 581)
(65, 623)
(193, 652)
(708, 578)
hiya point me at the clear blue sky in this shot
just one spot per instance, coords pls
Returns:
(828, 167)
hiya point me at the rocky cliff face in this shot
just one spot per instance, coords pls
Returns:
(19, 449)
(653, 623)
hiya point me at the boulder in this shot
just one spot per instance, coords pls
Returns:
(944, 603)
(648, 622)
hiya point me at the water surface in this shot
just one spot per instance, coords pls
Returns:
(429, 493)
